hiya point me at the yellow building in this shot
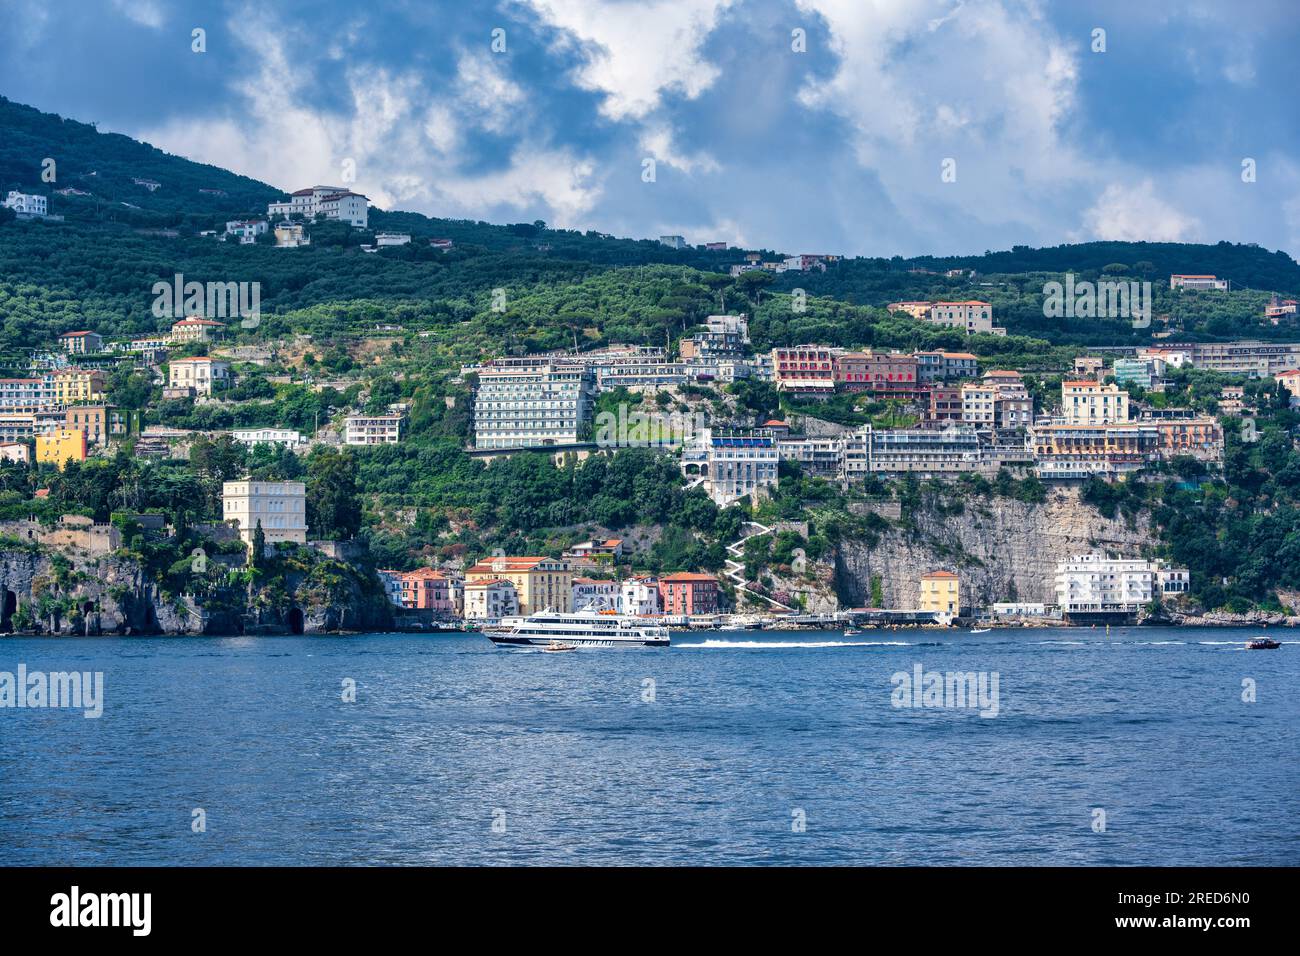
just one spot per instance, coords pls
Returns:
(61, 446)
(539, 582)
(939, 592)
(1092, 403)
(75, 385)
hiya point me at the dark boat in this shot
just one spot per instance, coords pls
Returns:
(1262, 644)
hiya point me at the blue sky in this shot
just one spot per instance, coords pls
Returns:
(835, 148)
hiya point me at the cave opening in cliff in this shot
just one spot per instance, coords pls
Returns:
(7, 613)
(295, 620)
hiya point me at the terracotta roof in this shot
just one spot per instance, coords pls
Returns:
(938, 574)
(69, 335)
(195, 320)
(682, 576)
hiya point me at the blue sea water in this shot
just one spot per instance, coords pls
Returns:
(456, 752)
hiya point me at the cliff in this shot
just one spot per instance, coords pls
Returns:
(1003, 549)
(71, 592)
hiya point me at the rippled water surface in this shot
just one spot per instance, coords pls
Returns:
(710, 752)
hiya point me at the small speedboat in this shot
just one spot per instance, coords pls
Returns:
(980, 630)
(851, 632)
(1262, 644)
(560, 646)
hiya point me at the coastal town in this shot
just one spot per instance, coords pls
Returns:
(951, 415)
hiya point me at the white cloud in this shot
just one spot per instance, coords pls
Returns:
(147, 13)
(1135, 213)
(635, 52)
(404, 147)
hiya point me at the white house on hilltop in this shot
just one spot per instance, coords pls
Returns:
(334, 202)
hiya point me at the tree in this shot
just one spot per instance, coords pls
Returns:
(258, 553)
(333, 506)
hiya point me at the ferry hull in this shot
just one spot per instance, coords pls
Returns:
(538, 640)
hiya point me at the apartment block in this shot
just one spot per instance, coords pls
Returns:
(490, 599)
(971, 316)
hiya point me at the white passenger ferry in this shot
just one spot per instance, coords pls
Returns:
(585, 628)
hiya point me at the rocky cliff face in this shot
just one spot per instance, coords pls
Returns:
(76, 594)
(1002, 549)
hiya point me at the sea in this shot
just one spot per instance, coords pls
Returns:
(1137, 746)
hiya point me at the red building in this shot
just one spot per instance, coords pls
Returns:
(688, 593)
(881, 373)
(805, 368)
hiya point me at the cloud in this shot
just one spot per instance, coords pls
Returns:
(147, 13)
(1136, 213)
(634, 53)
(406, 146)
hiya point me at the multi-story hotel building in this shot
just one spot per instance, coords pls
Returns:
(19, 393)
(882, 373)
(1096, 584)
(280, 507)
(1013, 406)
(924, 451)
(334, 202)
(1076, 451)
(98, 423)
(732, 464)
(373, 429)
(74, 385)
(1092, 403)
(61, 446)
(533, 404)
(490, 599)
(428, 589)
(805, 369)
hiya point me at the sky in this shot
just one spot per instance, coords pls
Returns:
(859, 127)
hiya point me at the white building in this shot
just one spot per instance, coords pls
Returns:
(673, 242)
(490, 600)
(279, 506)
(589, 592)
(333, 202)
(392, 239)
(532, 404)
(27, 204)
(732, 465)
(268, 436)
(247, 230)
(1093, 583)
(639, 596)
(197, 374)
(1198, 283)
(373, 430)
